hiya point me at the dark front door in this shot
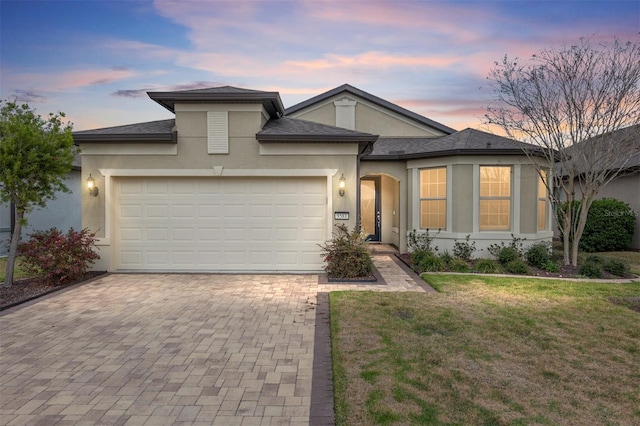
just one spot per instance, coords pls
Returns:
(370, 207)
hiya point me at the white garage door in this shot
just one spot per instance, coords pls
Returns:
(220, 224)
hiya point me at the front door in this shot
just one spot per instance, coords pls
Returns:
(370, 207)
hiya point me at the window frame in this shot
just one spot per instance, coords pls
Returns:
(544, 182)
(485, 198)
(427, 199)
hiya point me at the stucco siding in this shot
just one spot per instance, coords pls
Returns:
(462, 194)
(528, 199)
(325, 114)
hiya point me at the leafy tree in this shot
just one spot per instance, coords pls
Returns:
(579, 106)
(35, 155)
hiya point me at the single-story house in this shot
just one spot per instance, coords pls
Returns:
(626, 186)
(238, 182)
(64, 212)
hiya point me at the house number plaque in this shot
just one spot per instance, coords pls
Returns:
(341, 215)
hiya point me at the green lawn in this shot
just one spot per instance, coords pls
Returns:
(17, 273)
(488, 350)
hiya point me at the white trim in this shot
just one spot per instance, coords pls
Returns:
(223, 172)
(449, 207)
(476, 198)
(515, 198)
(415, 197)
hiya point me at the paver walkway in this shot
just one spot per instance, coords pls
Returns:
(168, 349)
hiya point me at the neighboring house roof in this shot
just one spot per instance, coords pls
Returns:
(373, 99)
(596, 149)
(151, 131)
(288, 129)
(467, 142)
(225, 94)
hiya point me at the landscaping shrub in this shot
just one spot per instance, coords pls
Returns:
(487, 266)
(422, 241)
(609, 227)
(61, 258)
(429, 262)
(347, 254)
(551, 266)
(516, 243)
(538, 255)
(508, 254)
(459, 265)
(591, 269)
(464, 249)
(516, 266)
(617, 267)
(446, 258)
(594, 258)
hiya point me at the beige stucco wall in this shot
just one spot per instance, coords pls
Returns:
(462, 194)
(528, 199)
(369, 118)
(244, 155)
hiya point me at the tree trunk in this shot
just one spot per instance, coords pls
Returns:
(566, 234)
(13, 249)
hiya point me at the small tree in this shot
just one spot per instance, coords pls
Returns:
(578, 107)
(35, 154)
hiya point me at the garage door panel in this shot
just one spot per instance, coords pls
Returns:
(220, 223)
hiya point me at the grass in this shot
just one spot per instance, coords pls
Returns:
(487, 350)
(17, 273)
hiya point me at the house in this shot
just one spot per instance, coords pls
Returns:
(64, 212)
(236, 182)
(625, 187)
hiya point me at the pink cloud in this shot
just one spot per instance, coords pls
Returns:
(66, 80)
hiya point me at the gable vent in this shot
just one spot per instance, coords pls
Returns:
(218, 132)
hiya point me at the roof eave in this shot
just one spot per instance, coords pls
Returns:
(168, 138)
(445, 153)
(269, 138)
(270, 100)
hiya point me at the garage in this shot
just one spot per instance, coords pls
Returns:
(219, 223)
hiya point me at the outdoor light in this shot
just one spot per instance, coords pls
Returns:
(91, 185)
(341, 185)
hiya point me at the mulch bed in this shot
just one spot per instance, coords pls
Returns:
(27, 289)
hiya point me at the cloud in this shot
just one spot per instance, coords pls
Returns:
(142, 93)
(27, 96)
(68, 80)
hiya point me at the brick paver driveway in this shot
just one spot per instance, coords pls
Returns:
(162, 349)
(166, 349)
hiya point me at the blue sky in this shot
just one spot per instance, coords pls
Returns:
(95, 59)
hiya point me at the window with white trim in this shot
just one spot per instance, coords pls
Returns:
(433, 198)
(542, 201)
(495, 198)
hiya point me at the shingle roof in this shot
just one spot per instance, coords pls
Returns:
(467, 141)
(155, 131)
(288, 129)
(224, 94)
(373, 99)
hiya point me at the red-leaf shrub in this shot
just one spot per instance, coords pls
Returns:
(60, 258)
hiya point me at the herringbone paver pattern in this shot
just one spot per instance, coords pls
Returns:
(164, 349)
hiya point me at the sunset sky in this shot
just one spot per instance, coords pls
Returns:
(95, 59)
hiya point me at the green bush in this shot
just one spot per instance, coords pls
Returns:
(61, 258)
(347, 254)
(464, 249)
(594, 258)
(617, 267)
(516, 266)
(538, 255)
(446, 258)
(429, 262)
(487, 266)
(591, 269)
(422, 241)
(508, 254)
(459, 265)
(551, 266)
(516, 243)
(609, 227)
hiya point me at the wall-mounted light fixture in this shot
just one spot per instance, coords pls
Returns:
(91, 186)
(341, 185)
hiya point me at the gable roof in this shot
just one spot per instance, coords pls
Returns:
(287, 129)
(150, 131)
(224, 94)
(467, 142)
(373, 99)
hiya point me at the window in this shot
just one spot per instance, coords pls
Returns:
(542, 201)
(495, 198)
(433, 198)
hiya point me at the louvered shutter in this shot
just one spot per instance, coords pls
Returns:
(218, 132)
